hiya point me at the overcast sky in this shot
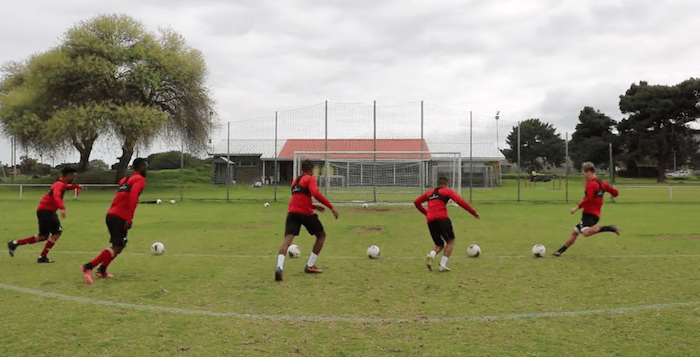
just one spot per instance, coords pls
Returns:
(543, 59)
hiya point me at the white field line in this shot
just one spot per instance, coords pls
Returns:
(352, 319)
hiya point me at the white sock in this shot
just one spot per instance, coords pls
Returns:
(312, 259)
(432, 254)
(280, 261)
(443, 260)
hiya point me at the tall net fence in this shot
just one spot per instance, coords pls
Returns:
(253, 159)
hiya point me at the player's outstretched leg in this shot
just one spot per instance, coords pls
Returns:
(611, 228)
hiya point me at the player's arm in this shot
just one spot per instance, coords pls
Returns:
(609, 189)
(313, 189)
(56, 190)
(419, 203)
(462, 203)
(590, 190)
(136, 189)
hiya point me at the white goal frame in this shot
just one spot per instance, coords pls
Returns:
(419, 171)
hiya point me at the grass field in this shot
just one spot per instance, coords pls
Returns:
(213, 294)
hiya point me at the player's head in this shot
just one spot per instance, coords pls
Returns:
(307, 167)
(141, 166)
(69, 173)
(443, 181)
(588, 169)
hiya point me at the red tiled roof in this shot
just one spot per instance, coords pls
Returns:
(293, 145)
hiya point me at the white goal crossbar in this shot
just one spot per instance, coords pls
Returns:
(380, 176)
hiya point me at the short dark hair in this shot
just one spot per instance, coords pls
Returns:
(140, 162)
(68, 170)
(443, 180)
(306, 165)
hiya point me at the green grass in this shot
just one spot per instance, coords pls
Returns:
(212, 293)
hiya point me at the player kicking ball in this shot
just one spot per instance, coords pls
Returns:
(592, 203)
(301, 213)
(439, 223)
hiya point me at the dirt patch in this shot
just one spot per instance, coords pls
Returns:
(680, 236)
(367, 230)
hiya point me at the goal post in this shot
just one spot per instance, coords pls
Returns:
(380, 176)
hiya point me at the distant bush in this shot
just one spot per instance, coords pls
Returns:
(171, 160)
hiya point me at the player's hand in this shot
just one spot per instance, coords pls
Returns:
(63, 213)
(127, 225)
(477, 216)
(335, 213)
(573, 210)
(319, 208)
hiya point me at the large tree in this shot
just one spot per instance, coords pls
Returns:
(658, 122)
(110, 77)
(540, 145)
(592, 138)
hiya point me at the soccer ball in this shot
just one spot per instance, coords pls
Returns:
(267, 204)
(373, 252)
(473, 250)
(538, 250)
(159, 201)
(364, 205)
(293, 251)
(172, 202)
(157, 248)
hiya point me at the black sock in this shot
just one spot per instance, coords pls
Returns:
(607, 229)
(562, 249)
(101, 269)
(88, 266)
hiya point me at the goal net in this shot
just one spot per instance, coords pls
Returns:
(380, 176)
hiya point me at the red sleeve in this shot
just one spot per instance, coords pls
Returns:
(613, 192)
(136, 189)
(57, 191)
(419, 203)
(313, 189)
(591, 189)
(461, 202)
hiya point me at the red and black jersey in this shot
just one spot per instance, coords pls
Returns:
(303, 189)
(53, 200)
(437, 203)
(127, 197)
(593, 196)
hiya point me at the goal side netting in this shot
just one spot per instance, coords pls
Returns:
(380, 176)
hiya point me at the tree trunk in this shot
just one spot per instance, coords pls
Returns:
(661, 172)
(123, 163)
(84, 147)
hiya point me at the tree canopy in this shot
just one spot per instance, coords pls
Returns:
(658, 122)
(540, 145)
(111, 77)
(591, 140)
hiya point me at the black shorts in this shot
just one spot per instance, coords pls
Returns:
(48, 223)
(117, 230)
(587, 220)
(441, 231)
(296, 220)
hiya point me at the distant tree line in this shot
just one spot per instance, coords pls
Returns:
(657, 131)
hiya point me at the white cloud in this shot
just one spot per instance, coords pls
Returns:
(527, 59)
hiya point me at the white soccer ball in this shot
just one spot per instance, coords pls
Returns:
(172, 202)
(157, 248)
(159, 201)
(267, 204)
(373, 252)
(538, 250)
(293, 251)
(364, 205)
(473, 250)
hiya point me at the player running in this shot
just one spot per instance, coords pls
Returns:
(119, 220)
(592, 203)
(301, 213)
(49, 226)
(439, 223)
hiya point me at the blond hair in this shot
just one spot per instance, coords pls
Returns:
(588, 167)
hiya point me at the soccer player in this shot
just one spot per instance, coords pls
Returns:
(301, 213)
(439, 223)
(49, 226)
(119, 220)
(592, 203)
